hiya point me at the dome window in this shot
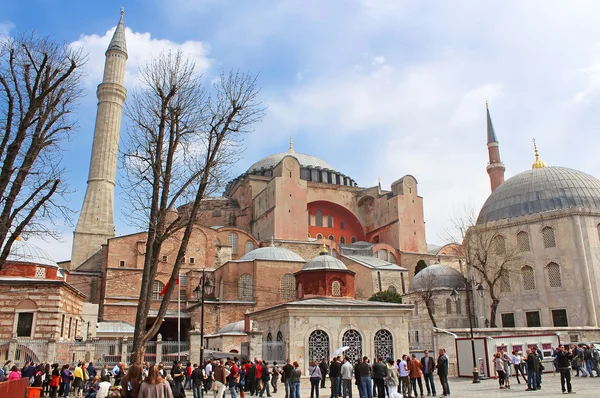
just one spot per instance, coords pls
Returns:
(40, 272)
(336, 289)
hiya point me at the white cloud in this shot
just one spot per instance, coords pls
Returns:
(141, 47)
(5, 28)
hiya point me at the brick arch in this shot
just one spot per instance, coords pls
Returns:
(352, 225)
(390, 249)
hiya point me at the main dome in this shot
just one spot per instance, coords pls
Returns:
(541, 190)
(306, 161)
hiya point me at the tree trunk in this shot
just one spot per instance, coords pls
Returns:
(430, 313)
(493, 312)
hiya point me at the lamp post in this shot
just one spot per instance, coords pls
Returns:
(454, 295)
(204, 287)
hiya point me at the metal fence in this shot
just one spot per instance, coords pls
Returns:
(4, 351)
(174, 351)
(31, 351)
(106, 351)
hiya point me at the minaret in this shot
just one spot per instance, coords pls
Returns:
(495, 167)
(96, 221)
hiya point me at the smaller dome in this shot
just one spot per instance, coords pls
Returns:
(25, 252)
(233, 327)
(324, 262)
(437, 277)
(272, 253)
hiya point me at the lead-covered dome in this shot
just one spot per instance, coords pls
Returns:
(271, 253)
(26, 252)
(306, 161)
(325, 262)
(541, 190)
(437, 277)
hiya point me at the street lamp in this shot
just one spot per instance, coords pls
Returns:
(454, 295)
(205, 286)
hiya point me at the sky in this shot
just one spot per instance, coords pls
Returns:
(377, 88)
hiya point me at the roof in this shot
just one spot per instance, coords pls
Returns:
(114, 327)
(374, 262)
(22, 251)
(118, 41)
(271, 253)
(271, 161)
(325, 262)
(437, 277)
(541, 190)
(231, 329)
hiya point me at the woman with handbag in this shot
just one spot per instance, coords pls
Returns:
(315, 379)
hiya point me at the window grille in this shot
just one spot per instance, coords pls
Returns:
(330, 221)
(523, 241)
(448, 306)
(318, 346)
(232, 240)
(331, 238)
(353, 240)
(353, 339)
(182, 280)
(319, 218)
(554, 275)
(157, 287)
(216, 213)
(384, 343)
(505, 281)
(245, 287)
(499, 245)
(336, 289)
(40, 272)
(249, 246)
(528, 278)
(287, 289)
(342, 240)
(24, 324)
(319, 236)
(280, 346)
(269, 346)
(548, 236)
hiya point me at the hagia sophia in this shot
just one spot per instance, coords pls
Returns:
(295, 248)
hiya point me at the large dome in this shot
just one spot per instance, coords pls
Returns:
(437, 277)
(271, 253)
(541, 190)
(307, 161)
(25, 252)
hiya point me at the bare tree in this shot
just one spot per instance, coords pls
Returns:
(426, 293)
(486, 251)
(182, 142)
(40, 82)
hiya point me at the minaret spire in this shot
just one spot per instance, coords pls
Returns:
(96, 220)
(291, 145)
(495, 167)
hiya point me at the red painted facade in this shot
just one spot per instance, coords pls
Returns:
(319, 283)
(26, 270)
(341, 218)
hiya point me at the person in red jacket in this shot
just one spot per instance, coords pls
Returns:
(188, 376)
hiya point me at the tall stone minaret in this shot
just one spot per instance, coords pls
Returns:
(96, 221)
(495, 167)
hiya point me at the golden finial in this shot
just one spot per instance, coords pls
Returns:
(18, 238)
(324, 249)
(538, 164)
(291, 146)
(122, 11)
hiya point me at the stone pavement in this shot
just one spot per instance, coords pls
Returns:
(463, 387)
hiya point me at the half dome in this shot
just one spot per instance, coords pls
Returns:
(25, 252)
(541, 190)
(437, 277)
(271, 253)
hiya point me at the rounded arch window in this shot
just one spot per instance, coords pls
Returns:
(318, 346)
(319, 236)
(269, 347)
(548, 237)
(528, 278)
(245, 287)
(392, 289)
(554, 277)
(331, 238)
(248, 246)
(286, 288)
(353, 339)
(384, 344)
(499, 245)
(319, 218)
(523, 241)
(448, 306)
(353, 240)
(232, 240)
(280, 345)
(342, 240)
(336, 289)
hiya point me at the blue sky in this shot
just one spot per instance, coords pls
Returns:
(376, 88)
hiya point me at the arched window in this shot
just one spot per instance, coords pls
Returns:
(245, 287)
(448, 306)
(554, 275)
(548, 236)
(353, 240)
(504, 281)
(459, 306)
(280, 348)
(392, 258)
(268, 354)
(342, 240)
(384, 344)
(336, 289)
(286, 288)
(249, 246)
(232, 240)
(523, 241)
(157, 287)
(318, 346)
(392, 289)
(382, 254)
(331, 238)
(499, 245)
(319, 236)
(319, 218)
(329, 221)
(353, 339)
(528, 278)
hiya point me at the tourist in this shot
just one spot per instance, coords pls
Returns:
(176, 392)
(28, 371)
(154, 386)
(233, 379)
(287, 378)
(415, 373)
(178, 375)
(78, 380)
(188, 376)
(499, 367)
(66, 377)
(595, 359)
(220, 378)
(7, 367)
(404, 375)
(314, 373)
(324, 371)
(379, 375)
(391, 379)
(442, 369)
(428, 364)
(118, 373)
(295, 381)
(275, 376)
(91, 371)
(563, 364)
(517, 363)
(346, 378)
(540, 356)
(587, 359)
(259, 372)
(335, 369)
(14, 374)
(366, 381)
(197, 379)
(54, 381)
(265, 379)
(103, 387)
(251, 377)
(533, 363)
(38, 376)
(130, 384)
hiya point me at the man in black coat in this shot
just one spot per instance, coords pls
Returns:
(428, 364)
(563, 363)
(335, 373)
(379, 374)
(324, 371)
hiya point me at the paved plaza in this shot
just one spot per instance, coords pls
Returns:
(463, 387)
